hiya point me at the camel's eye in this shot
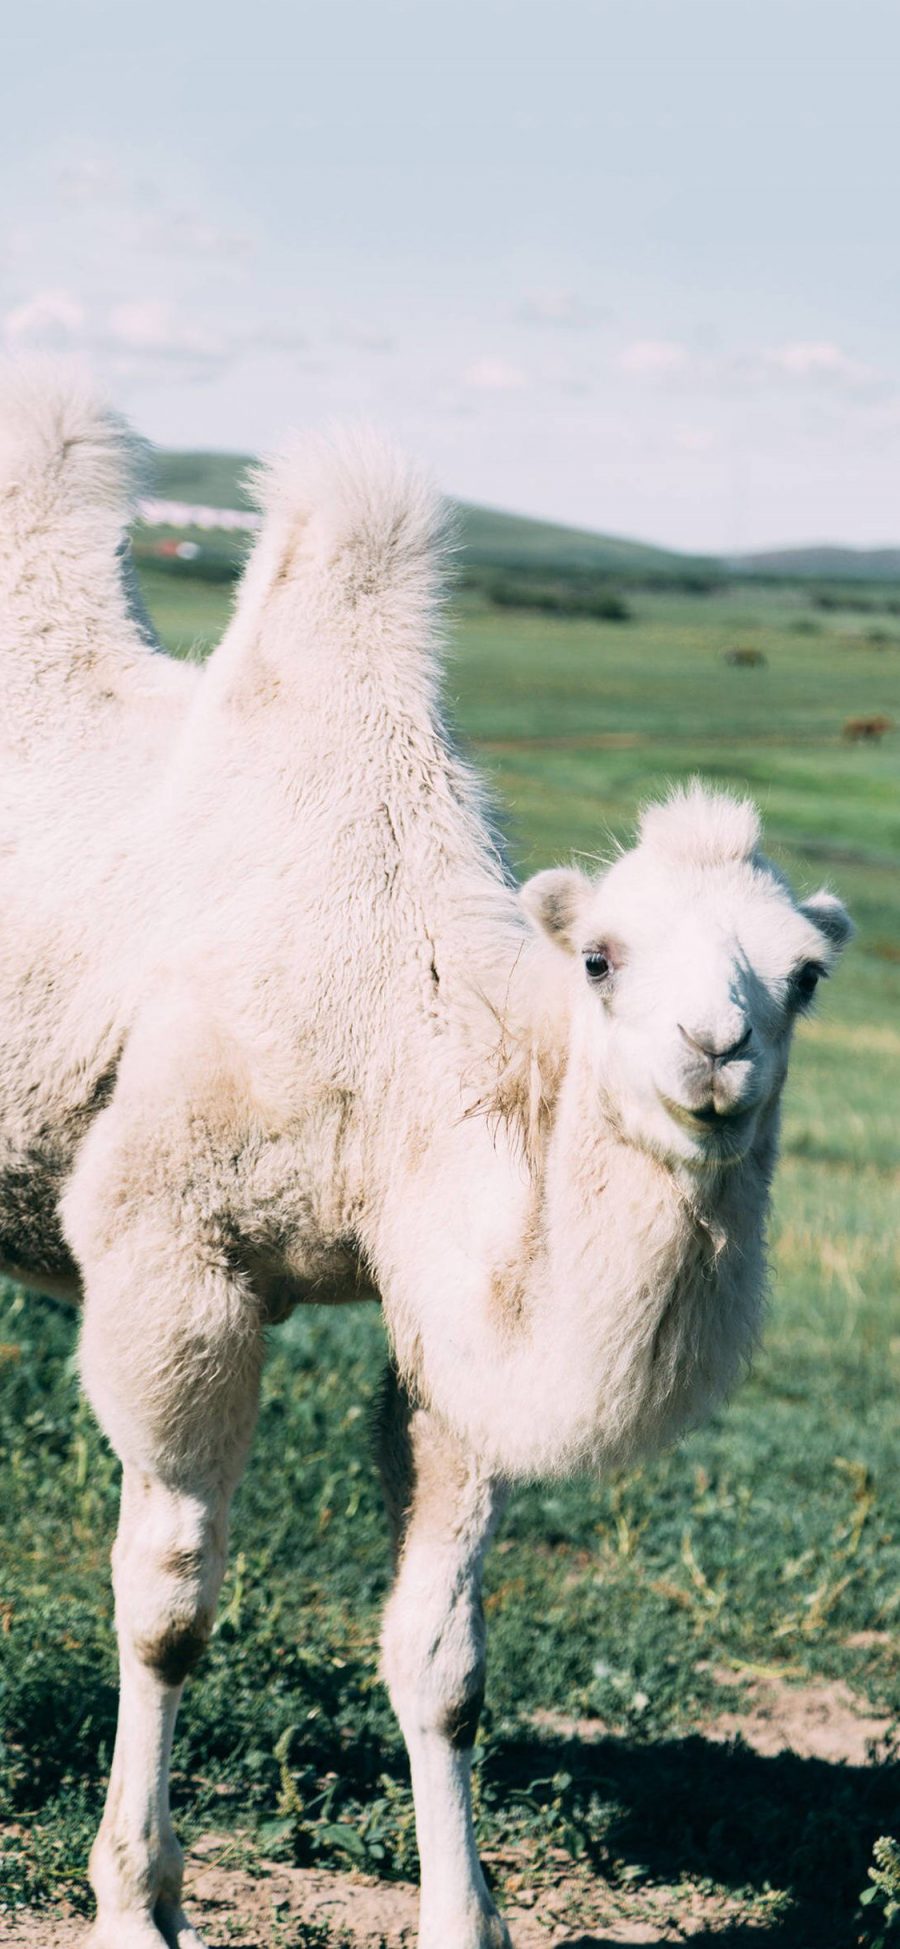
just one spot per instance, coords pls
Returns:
(806, 981)
(597, 964)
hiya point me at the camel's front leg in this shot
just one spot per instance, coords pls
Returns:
(444, 1510)
(168, 1562)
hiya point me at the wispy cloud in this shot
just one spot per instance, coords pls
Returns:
(151, 325)
(147, 327)
(106, 203)
(183, 233)
(795, 366)
(365, 338)
(695, 439)
(653, 358)
(50, 320)
(558, 306)
(89, 179)
(820, 360)
(495, 375)
(148, 337)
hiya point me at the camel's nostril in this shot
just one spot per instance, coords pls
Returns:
(737, 1048)
(703, 1046)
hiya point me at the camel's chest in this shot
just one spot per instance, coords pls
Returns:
(294, 1206)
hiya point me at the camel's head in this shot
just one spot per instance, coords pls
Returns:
(689, 961)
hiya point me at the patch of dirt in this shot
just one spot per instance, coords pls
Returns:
(823, 1721)
(238, 1910)
(870, 1640)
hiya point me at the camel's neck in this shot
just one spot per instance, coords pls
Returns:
(615, 1308)
(659, 1274)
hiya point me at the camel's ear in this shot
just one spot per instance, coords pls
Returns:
(831, 918)
(552, 901)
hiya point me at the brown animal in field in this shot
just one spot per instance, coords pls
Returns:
(867, 730)
(745, 659)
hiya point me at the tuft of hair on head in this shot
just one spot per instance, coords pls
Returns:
(64, 451)
(352, 501)
(696, 826)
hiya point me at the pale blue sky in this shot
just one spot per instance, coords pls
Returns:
(631, 265)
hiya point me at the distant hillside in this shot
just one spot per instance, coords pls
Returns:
(211, 480)
(831, 564)
(515, 543)
(489, 538)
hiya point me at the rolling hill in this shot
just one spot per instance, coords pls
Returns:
(824, 564)
(492, 539)
(488, 537)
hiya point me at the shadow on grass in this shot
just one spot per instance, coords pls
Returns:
(722, 1812)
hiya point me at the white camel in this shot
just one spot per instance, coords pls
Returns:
(276, 1027)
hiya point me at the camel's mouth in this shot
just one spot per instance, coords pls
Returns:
(728, 1120)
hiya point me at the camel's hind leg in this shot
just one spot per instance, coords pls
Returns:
(173, 1378)
(444, 1509)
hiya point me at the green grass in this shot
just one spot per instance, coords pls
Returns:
(771, 1539)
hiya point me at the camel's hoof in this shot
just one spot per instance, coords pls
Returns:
(118, 1931)
(498, 1936)
(175, 1928)
(169, 1929)
(486, 1930)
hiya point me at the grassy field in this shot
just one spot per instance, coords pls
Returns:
(765, 1550)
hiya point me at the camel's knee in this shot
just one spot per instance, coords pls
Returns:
(168, 1563)
(450, 1709)
(433, 1663)
(173, 1652)
(443, 1510)
(462, 1715)
(168, 1631)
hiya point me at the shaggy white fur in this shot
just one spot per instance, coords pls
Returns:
(275, 1026)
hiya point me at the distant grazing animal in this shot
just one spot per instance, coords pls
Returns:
(867, 730)
(745, 659)
(277, 1027)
